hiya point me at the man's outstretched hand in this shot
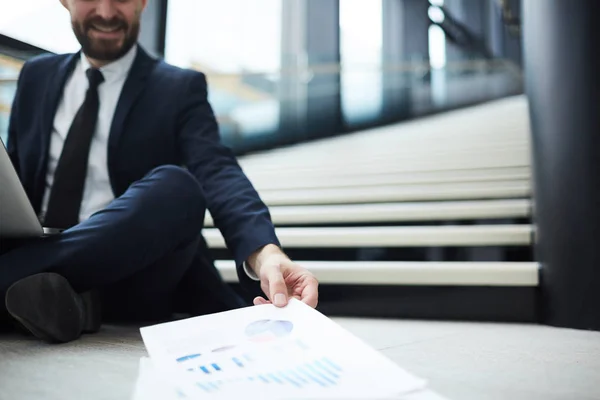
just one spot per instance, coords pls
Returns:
(281, 279)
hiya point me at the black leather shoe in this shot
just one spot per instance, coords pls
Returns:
(47, 306)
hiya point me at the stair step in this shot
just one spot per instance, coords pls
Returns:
(342, 178)
(408, 154)
(423, 164)
(412, 273)
(421, 236)
(383, 194)
(396, 212)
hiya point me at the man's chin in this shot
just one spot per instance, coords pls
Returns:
(105, 50)
(103, 55)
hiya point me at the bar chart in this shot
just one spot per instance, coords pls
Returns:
(321, 372)
(253, 356)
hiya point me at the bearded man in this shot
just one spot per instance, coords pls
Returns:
(121, 153)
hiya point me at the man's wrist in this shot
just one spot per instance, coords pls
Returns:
(256, 259)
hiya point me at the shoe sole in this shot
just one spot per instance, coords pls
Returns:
(47, 305)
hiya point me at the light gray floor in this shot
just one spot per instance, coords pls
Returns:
(461, 361)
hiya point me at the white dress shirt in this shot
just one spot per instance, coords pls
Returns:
(97, 190)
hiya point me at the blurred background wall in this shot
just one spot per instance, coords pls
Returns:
(286, 71)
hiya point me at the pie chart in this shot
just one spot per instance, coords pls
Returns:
(267, 330)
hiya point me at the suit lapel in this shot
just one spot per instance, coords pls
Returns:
(54, 94)
(135, 83)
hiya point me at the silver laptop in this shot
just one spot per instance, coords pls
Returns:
(17, 217)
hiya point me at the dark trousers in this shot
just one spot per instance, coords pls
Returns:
(144, 253)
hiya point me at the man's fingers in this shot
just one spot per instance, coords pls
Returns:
(260, 301)
(310, 294)
(277, 288)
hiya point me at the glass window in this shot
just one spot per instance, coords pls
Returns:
(9, 71)
(42, 23)
(226, 36)
(361, 42)
(237, 44)
(437, 54)
(437, 37)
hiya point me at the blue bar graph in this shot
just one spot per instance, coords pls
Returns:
(298, 377)
(238, 362)
(276, 379)
(189, 357)
(326, 369)
(331, 363)
(290, 380)
(203, 387)
(320, 374)
(311, 377)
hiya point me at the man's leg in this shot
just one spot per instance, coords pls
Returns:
(184, 282)
(202, 290)
(148, 295)
(155, 218)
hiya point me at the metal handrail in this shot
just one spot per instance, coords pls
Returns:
(336, 68)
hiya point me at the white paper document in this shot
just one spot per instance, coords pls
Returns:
(151, 385)
(265, 352)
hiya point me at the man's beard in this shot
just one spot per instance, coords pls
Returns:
(102, 49)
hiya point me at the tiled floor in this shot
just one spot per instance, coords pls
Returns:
(461, 361)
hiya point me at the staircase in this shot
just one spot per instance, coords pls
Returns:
(425, 219)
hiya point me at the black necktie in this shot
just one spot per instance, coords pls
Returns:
(69, 178)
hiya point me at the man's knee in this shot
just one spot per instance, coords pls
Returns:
(182, 188)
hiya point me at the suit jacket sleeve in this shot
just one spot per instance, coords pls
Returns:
(236, 208)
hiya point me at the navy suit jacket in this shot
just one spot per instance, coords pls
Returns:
(162, 117)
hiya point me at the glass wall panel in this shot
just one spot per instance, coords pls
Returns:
(42, 23)
(237, 44)
(361, 39)
(437, 54)
(279, 71)
(9, 71)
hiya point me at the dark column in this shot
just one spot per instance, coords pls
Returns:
(495, 29)
(562, 63)
(323, 53)
(405, 43)
(504, 34)
(405, 30)
(513, 34)
(466, 20)
(153, 27)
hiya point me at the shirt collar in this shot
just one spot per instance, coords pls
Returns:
(115, 70)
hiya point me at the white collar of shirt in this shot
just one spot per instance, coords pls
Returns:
(116, 70)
